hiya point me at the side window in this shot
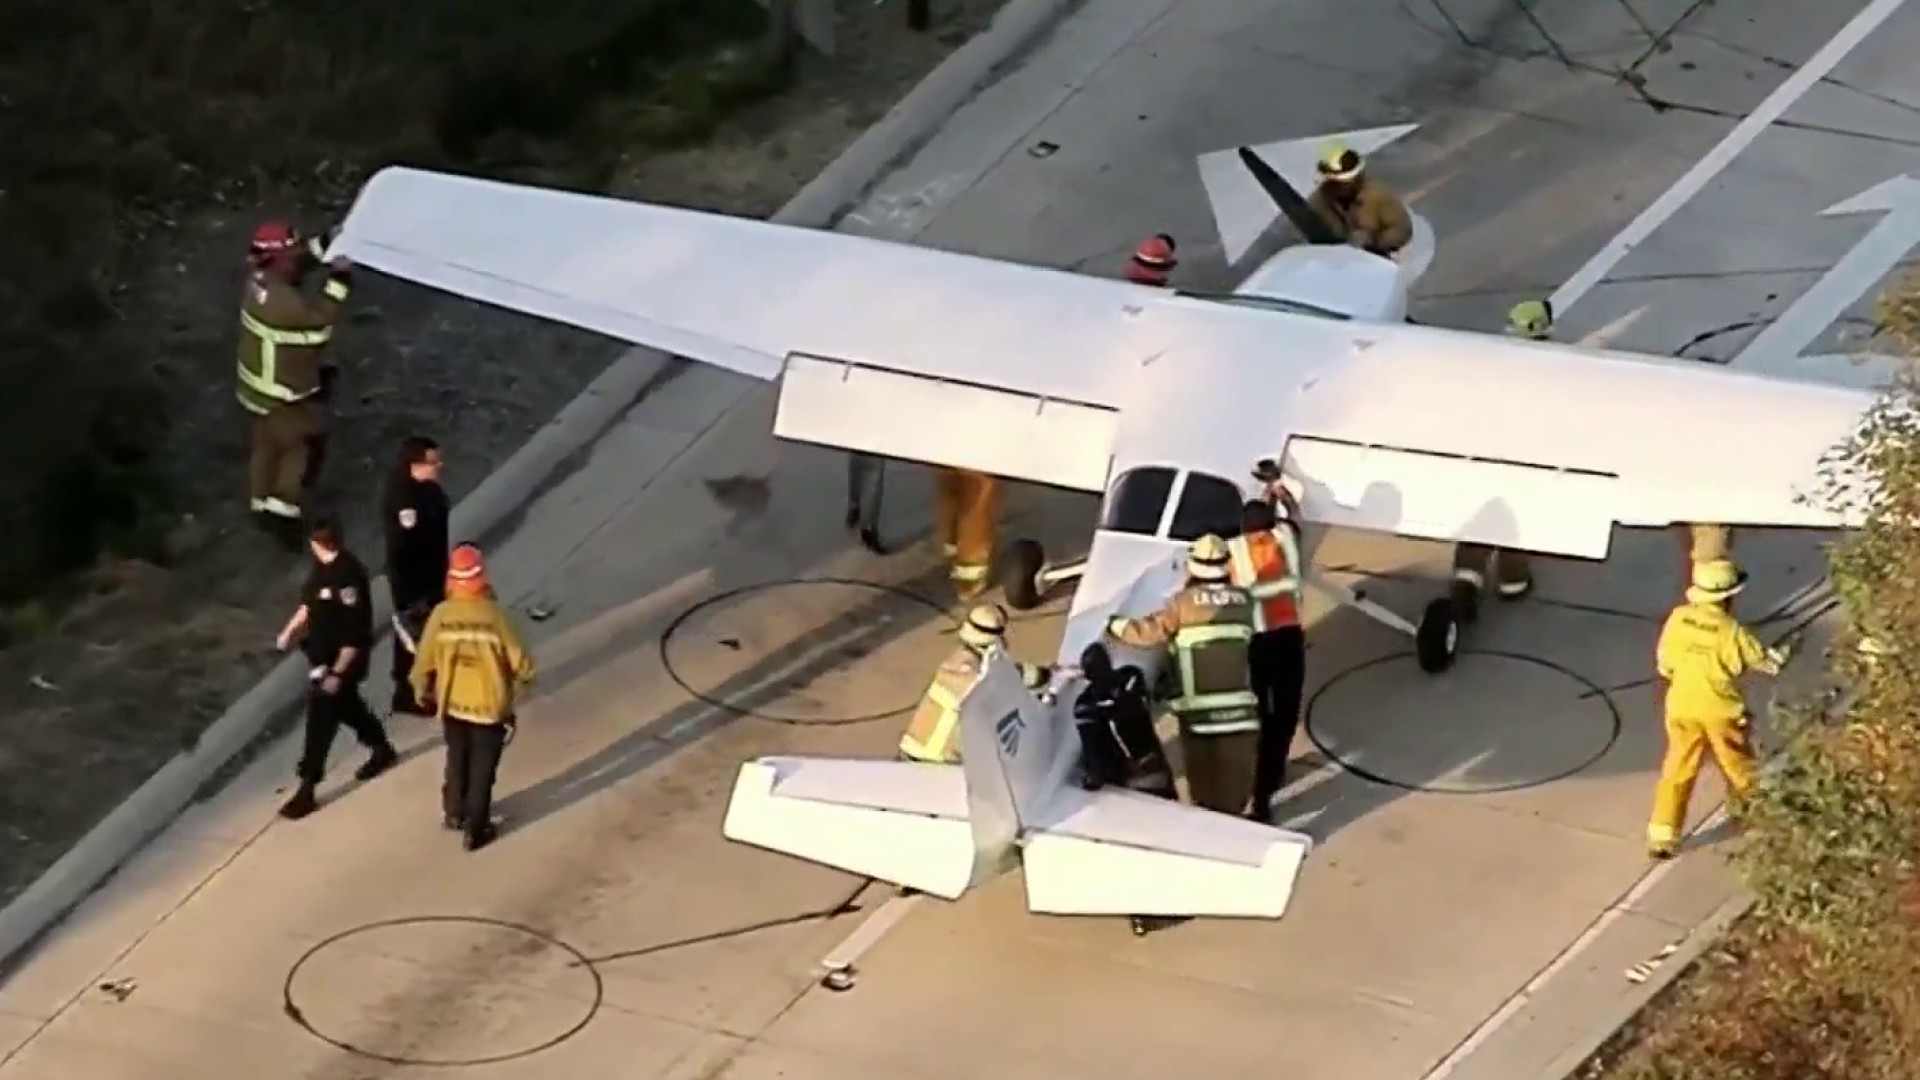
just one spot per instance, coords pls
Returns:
(1208, 504)
(1136, 500)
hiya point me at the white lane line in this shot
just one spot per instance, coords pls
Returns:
(1577, 286)
(1717, 159)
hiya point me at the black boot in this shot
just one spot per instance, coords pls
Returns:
(479, 836)
(382, 759)
(301, 804)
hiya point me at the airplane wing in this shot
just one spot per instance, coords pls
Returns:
(1025, 367)
(1454, 435)
(1548, 447)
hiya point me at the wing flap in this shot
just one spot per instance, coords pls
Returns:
(1122, 853)
(879, 410)
(896, 821)
(1439, 496)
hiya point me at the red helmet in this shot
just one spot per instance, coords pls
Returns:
(1156, 253)
(273, 239)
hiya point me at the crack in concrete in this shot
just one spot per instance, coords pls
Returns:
(1631, 77)
(1790, 66)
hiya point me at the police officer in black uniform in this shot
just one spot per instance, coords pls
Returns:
(336, 615)
(1114, 715)
(415, 512)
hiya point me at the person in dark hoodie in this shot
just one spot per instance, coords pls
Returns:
(1118, 746)
(414, 511)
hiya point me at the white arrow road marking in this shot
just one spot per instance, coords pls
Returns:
(1776, 351)
(1577, 286)
(1242, 211)
(1773, 108)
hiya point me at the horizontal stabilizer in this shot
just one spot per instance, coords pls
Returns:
(1123, 853)
(896, 821)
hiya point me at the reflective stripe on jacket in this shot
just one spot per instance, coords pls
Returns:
(933, 734)
(1266, 564)
(1216, 692)
(283, 333)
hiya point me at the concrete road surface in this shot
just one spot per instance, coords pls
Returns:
(1480, 887)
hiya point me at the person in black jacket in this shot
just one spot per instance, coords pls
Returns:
(1118, 746)
(415, 512)
(334, 627)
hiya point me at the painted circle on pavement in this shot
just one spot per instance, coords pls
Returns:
(1497, 721)
(394, 991)
(801, 651)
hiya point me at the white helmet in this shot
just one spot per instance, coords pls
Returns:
(1207, 559)
(986, 625)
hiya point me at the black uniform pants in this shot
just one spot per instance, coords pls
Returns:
(473, 759)
(1277, 661)
(326, 714)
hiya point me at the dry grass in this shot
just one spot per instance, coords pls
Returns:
(122, 119)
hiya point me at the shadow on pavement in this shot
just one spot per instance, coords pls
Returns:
(824, 649)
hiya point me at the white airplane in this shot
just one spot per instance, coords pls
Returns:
(1162, 402)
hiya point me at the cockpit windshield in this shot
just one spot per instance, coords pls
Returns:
(1136, 500)
(1208, 504)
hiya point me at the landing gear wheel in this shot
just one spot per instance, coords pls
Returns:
(1018, 574)
(1466, 601)
(1437, 640)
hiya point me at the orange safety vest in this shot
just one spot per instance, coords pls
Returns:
(1266, 565)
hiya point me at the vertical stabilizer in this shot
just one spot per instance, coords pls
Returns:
(1012, 746)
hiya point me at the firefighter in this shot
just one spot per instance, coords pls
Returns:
(1474, 563)
(1702, 653)
(283, 376)
(414, 512)
(1208, 625)
(1704, 542)
(1153, 261)
(933, 734)
(1118, 746)
(966, 512)
(1266, 563)
(1360, 210)
(472, 666)
(334, 623)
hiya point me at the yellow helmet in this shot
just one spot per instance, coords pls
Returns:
(1715, 580)
(1340, 164)
(1207, 559)
(986, 625)
(1530, 319)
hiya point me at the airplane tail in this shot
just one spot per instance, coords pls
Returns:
(1016, 753)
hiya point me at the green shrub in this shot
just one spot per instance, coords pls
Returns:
(1822, 980)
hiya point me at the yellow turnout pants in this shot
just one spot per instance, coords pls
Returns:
(1688, 742)
(966, 512)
